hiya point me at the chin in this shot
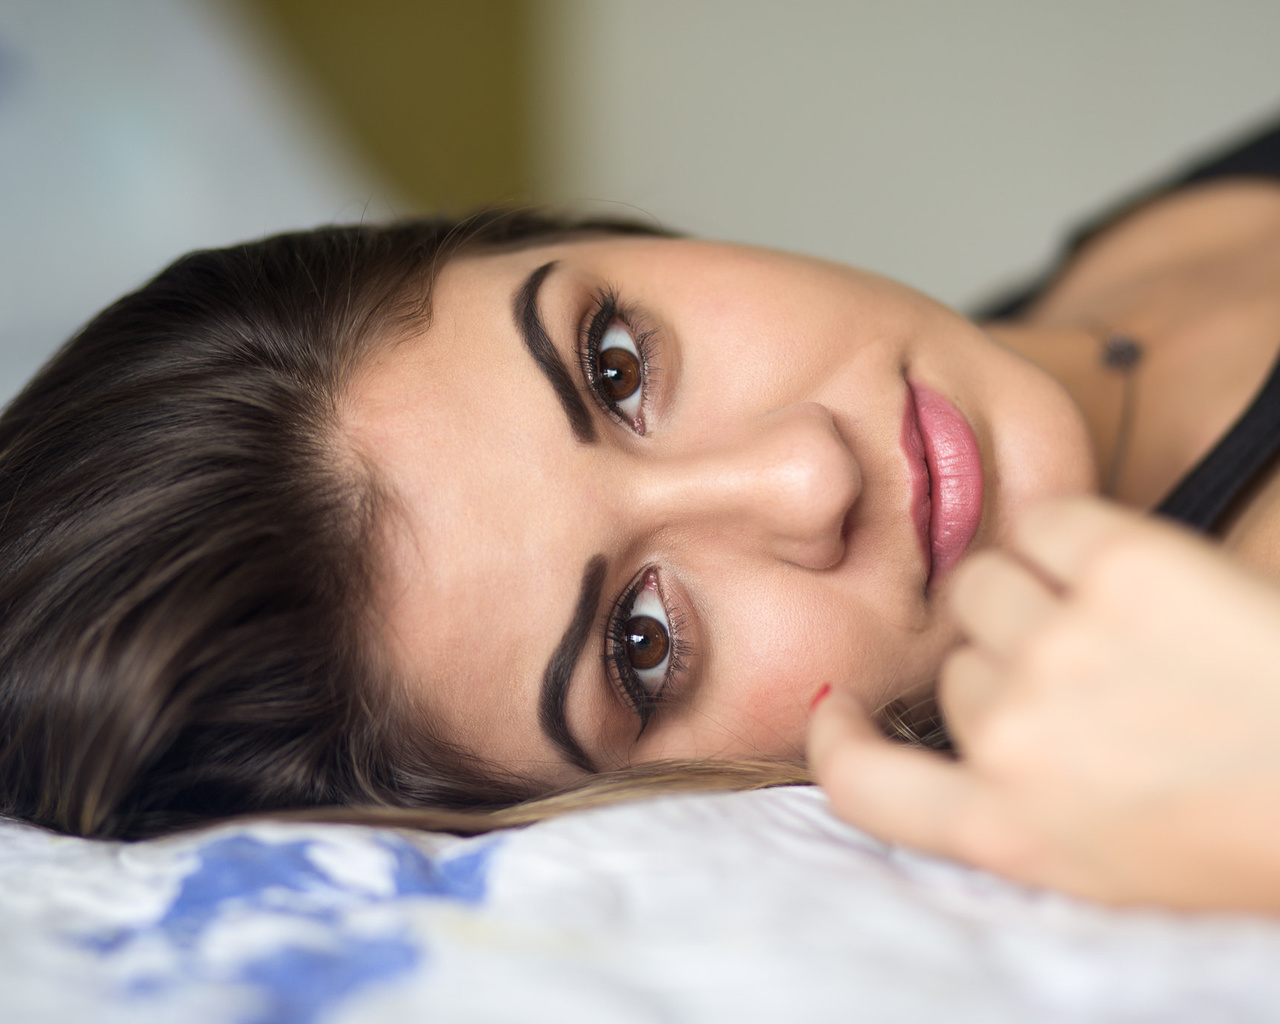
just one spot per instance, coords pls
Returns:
(1041, 450)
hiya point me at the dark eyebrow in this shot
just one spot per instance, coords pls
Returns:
(529, 323)
(559, 673)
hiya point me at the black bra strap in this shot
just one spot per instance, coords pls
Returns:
(1204, 493)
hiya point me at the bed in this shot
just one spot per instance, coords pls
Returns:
(756, 906)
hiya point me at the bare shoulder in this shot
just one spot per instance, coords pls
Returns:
(1190, 227)
(1195, 277)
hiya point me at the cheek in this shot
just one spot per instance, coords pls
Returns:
(769, 673)
(771, 662)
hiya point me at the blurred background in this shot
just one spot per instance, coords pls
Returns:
(944, 142)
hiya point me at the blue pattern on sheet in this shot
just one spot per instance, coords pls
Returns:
(298, 983)
(285, 883)
(247, 872)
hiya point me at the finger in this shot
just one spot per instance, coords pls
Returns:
(898, 793)
(969, 683)
(1061, 536)
(999, 601)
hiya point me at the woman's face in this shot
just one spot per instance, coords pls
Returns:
(650, 494)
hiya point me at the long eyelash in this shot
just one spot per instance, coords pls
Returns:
(615, 655)
(606, 308)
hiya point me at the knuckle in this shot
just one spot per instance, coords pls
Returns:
(1048, 652)
(1117, 563)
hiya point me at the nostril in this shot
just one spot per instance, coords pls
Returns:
(827, 554)
(822, 472)
(819, 486)
(832, 544)
(846, 529)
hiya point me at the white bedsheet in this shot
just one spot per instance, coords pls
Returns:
(735, 907)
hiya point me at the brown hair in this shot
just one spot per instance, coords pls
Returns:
(183, 554)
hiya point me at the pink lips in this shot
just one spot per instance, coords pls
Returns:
(946, 470)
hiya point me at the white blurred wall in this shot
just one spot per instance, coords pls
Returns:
(132, 131)
(944, 142)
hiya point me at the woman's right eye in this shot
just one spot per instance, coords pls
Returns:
(620, 371)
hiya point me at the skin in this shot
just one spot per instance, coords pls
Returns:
(769, 491)
(1117, 713)
(1110, 682)
(1116, 704)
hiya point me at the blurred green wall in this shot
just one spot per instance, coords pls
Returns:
(433, 92)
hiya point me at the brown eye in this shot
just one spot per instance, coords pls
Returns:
(647, 642)
(619, 372)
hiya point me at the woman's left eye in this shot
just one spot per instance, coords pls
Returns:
(642, 647)
(647, 635)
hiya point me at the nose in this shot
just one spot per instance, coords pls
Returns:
(785, 483)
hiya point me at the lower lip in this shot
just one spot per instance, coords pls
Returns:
(947, 516)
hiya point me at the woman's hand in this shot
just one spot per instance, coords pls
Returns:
(1117, 716)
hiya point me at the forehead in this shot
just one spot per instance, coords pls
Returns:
(483, 553)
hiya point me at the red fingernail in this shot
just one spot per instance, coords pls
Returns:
(824, 691)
